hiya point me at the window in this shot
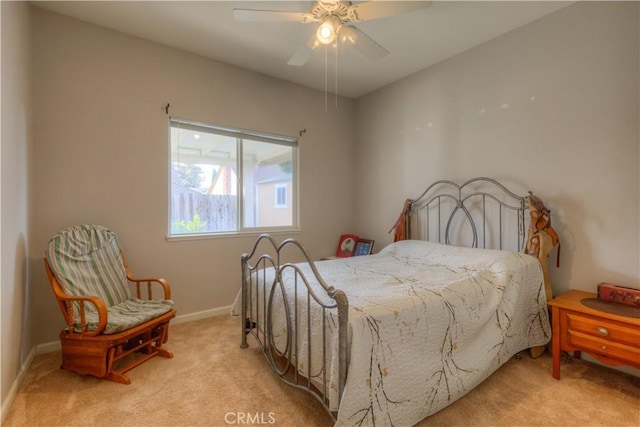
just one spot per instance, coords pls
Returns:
(226, 180)
(281, 195)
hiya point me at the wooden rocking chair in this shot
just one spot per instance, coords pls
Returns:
(105, 321)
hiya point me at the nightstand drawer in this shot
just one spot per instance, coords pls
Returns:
(604, 329)
(603, 347)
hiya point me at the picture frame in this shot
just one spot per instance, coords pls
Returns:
(346, 245)
(363, 247)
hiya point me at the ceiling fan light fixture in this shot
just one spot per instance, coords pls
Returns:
(327, 31)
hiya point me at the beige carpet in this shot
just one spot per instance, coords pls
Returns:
(211, 378)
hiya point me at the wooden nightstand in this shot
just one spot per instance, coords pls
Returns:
(602, 332)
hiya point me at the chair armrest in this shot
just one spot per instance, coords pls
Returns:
(66, 304)
(149, 282)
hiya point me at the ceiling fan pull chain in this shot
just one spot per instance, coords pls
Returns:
(326, 88)
(336, 74)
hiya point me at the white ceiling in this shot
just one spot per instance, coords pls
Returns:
(415, 40)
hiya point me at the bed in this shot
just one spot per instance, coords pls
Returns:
(393, 337)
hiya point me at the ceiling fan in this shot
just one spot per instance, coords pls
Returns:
(333, 18)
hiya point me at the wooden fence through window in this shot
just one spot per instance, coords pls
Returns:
(216, 212)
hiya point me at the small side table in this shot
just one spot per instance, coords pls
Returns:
(610, 332)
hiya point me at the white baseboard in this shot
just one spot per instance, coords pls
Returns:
(201, 315)
(8, 400)
(47, 347)
(55, 346)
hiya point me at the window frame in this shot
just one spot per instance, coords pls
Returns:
(240, 135)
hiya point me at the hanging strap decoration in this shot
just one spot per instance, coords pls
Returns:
(542, 238)
(402, 226)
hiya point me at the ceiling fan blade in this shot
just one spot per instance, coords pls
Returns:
(268, 15)
(381, 9)
(302, 55)
(362, 42)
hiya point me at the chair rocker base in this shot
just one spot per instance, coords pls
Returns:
(97, 355)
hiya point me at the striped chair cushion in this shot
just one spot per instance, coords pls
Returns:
(86, 261)
(127, 314)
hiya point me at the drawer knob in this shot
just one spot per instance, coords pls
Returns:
(603, 331)
(604, 347)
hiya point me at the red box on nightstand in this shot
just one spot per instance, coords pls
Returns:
(619, 294)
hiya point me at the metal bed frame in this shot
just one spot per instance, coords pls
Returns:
(472, 199)
(441, 208)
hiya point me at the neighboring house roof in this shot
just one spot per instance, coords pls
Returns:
(271, 174)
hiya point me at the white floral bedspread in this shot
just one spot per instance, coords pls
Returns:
(428, 323)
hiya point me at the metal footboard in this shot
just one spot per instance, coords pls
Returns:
(291, 311)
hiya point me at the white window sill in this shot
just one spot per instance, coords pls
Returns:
(232, 234)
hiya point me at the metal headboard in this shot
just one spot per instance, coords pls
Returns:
(494, 215)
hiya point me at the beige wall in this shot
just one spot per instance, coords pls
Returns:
(16, 125)
(102, 153)
(551, 107)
